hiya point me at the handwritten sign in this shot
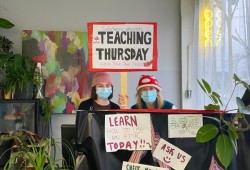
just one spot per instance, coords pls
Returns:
(171, 155)
(127, 132)
(134, 166)
(122, 46)
(184, 125)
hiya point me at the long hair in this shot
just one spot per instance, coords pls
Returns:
(94, 95)
(140, 102)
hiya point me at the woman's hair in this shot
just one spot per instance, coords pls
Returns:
(94, 95)
(140, 102)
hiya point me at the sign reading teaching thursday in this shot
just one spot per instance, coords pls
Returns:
(122, 46)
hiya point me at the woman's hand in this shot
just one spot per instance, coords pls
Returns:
(123, 101)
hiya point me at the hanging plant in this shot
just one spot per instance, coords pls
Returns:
(47, 108)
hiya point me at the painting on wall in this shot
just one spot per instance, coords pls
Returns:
(64, 59)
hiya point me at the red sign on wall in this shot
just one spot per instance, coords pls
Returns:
(122, 46)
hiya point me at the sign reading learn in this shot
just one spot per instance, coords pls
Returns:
(121, 46)
(127, 132)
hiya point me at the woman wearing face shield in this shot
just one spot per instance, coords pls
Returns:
(149, 95)
(101, 94)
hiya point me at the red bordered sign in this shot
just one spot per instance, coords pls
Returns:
(122, 46)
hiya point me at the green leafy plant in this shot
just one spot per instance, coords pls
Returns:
(47, 108)
(5, 45)
(32, 152)
(17, 70)
(225, 133)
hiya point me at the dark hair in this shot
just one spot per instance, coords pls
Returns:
(94, 95)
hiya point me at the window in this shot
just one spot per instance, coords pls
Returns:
(221, 47)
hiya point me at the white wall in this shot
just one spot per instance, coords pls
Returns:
(73, 15)
(187, 15)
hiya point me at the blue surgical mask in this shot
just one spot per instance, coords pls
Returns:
(149, 96)
(103, 93)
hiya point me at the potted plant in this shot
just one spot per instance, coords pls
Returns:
(17, 70)
(32, 152)
(46, 111)
(224, 131)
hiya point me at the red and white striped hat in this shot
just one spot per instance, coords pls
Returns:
(148, 80)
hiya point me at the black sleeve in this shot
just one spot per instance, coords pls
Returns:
(85, 105)
(114, 105)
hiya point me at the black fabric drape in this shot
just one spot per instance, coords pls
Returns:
(91, 143)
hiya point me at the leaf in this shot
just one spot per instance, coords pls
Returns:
(240, 103)
(214, 98)
(213, 118)
(218, 97)
(235, 146)
(242, 108)
(245, 84)
(202, 87)
(206, 133)
(216, 94)
(207, 86)
(232, 132)
(224, 150)
(245, 110)
(236, 78)
(6, 24)
(233, 137)
(212, 107)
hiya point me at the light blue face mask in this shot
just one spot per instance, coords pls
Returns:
(103, 93)
(149, 96)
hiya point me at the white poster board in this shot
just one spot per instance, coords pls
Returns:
(122, 46)
(127, 132)
(184, 125)
(171, 155)
(134, 166)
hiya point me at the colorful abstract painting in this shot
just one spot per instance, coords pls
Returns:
(64, 60)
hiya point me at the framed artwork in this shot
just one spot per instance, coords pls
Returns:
(64, 59)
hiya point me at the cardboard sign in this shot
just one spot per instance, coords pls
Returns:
(122, 46)
(184, 125)
(171, 155)
(127, 132)
(134, 166)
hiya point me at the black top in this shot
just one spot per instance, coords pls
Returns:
(89, 105)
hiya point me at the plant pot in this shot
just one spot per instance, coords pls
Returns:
(8, 95)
